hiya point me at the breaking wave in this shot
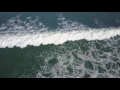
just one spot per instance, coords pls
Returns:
(72, 50)
(32, 32)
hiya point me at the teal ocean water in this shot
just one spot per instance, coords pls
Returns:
(59, 44)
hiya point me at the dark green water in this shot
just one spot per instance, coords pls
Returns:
(108, 19)
(23, 56)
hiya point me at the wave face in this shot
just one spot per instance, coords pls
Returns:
(72, 50)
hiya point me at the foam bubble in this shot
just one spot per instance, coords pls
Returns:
(70, 60)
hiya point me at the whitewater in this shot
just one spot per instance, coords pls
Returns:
(18, 33)
(31, 48)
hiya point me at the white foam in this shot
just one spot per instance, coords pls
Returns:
(23, 39)
(79, 70)
(22, 33)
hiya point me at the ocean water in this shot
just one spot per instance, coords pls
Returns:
(59, 44)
